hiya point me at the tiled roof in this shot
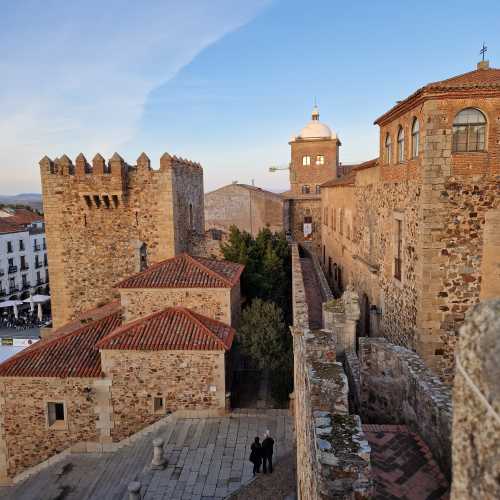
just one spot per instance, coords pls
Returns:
(70, 354)
(479, 80)
(14, 221)
(173, 328)
(186, 271)
(347, 180)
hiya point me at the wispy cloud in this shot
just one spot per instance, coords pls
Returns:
(75, 75)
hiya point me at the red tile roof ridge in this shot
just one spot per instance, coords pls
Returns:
(193, 260)
(230, 283)
(191, 314)
(52, 339)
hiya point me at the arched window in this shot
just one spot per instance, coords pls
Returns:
(469, 130)
(306, 189)
(401, 145)
(388, 148)
(415, 137)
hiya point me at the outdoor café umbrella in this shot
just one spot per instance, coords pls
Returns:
(39, 300)
(13, 304)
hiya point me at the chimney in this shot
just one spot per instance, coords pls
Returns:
(483, 65)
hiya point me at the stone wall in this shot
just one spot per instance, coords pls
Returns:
(98, 217)
(187, 380)
(397, 388)
(448, 205)
(221, 304)
(299, 208)
(25, 436)
(476, 403)
(247, 207)
(333, 457)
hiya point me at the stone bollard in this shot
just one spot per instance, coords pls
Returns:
(158, 461)
(134, 490)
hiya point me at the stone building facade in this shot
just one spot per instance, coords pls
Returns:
(416, 231)
(249, 208)
(314, 160)
(116, 369)
(103, 219)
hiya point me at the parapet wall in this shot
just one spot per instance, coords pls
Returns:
(397, 388)
(476, 402)
(333, 456)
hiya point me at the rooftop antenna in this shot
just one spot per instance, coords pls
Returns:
(483, 50)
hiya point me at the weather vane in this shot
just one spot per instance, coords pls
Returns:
(483, 50)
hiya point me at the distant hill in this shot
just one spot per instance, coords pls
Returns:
(33, 200)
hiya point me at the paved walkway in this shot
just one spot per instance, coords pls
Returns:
(314, 296)
(402, 465)
(207, 459)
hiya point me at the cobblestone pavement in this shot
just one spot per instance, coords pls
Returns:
(207, 459)
(279, 485)
(402, 465)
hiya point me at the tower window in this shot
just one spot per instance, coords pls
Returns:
(398, 256)
(306, 161)
(401, 145)
(318, 188)
(415, 138)
(191, 220)
(469, 131)
(306, 189)
(143, 257)
(320, 160)
(388, 148)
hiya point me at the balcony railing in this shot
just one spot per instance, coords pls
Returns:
(12, 269)
(2, 292)
(26, 285)
(25, 267)
(38, 265)
(36, 248)
(39, 282)
(2, 272)
(13, 289)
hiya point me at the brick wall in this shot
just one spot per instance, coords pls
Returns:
(183, 378)
(96, 223)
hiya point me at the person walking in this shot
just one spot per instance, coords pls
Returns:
(256, 455)
(267, 453)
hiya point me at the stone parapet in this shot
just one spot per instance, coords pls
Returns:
(476, 400)
(397, 388)
(299, 301)
(352, 370)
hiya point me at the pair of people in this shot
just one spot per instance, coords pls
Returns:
(262, 454)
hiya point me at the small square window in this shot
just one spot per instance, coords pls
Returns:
(320, 160)
(56, 415)
(158, 404)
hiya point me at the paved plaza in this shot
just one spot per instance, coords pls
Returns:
(207, 459)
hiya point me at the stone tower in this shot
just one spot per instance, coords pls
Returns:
(314, 160)
(107, 220)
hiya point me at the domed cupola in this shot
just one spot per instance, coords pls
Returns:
(315, 129)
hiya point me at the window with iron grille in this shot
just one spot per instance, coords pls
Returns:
(388, 148)
(415, 138)
(401, 145)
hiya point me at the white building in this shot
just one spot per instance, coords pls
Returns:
(23, 254)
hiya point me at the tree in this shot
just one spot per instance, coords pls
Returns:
(263, 335)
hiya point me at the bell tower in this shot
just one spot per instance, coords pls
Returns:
(314, 160)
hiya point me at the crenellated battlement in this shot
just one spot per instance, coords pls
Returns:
(116, 166)
(103, 216)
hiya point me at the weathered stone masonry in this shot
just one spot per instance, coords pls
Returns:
(99, 216)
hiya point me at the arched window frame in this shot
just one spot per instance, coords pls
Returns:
(401, 144)
(388, 148)
(415, 138)
(469, 132)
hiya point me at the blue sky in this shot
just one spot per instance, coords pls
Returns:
(223, 82)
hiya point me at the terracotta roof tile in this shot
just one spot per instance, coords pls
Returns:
(480, 80)
(173, 328)
(70, 354)
(186, 271)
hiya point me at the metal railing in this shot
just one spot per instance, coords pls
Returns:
(12, 269)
